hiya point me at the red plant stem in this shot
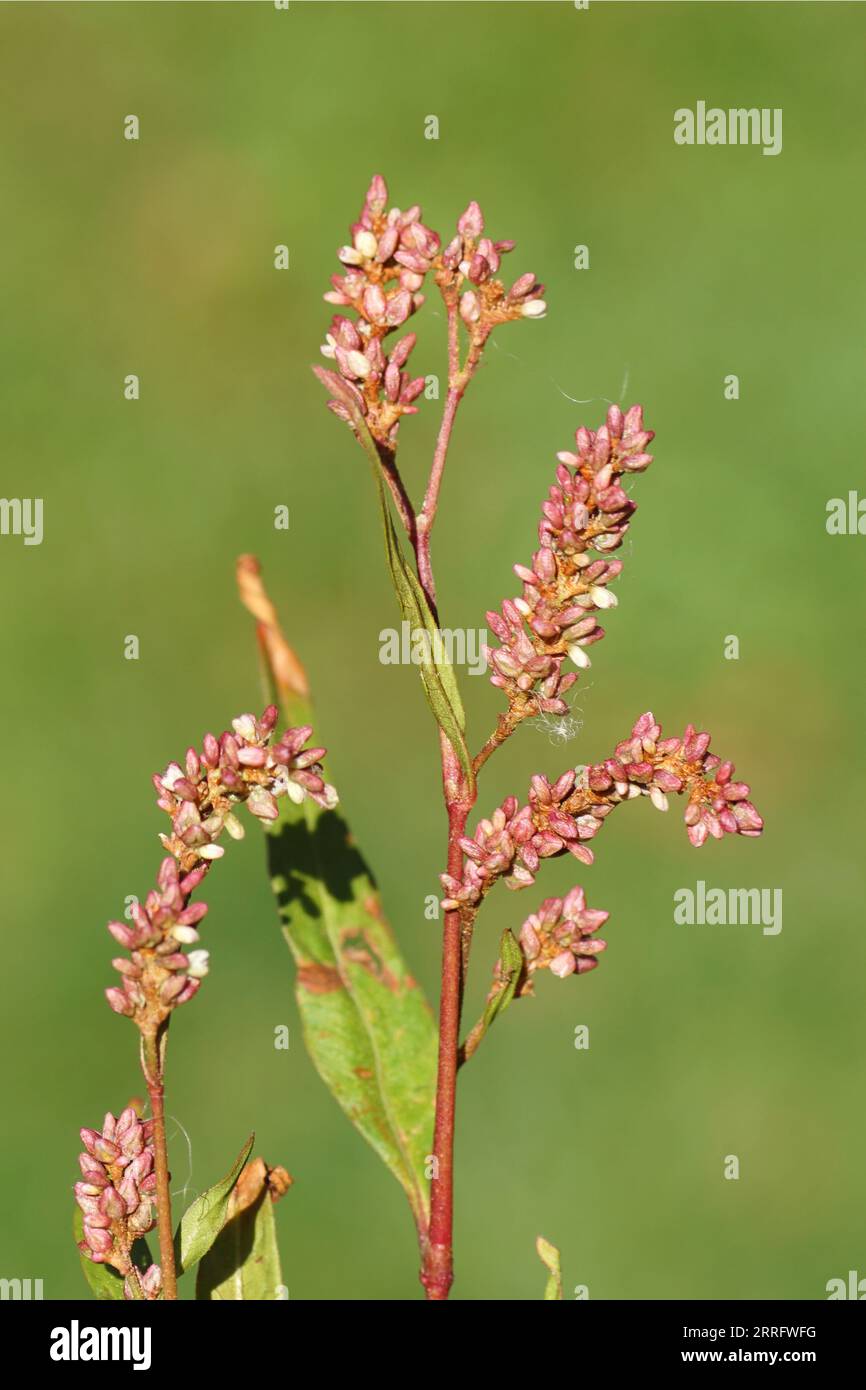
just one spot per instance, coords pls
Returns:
(426, 517)
(437, 1268)
(154, 1076)
(458, 380)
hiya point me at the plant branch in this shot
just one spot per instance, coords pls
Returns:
(458, 380)
(505, 726)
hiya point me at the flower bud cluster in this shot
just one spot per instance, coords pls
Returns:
(648, 765)
(200, 796)
(116, 1195)
(559, 936)
(566, 587)
(384, 267)
(471, 256)
(564, 816)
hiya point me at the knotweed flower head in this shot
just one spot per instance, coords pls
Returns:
(160, 973)
(240, 766)
(116, 1195)
(200, 796)
(559, 936)
(512, 843)
(385, 264)
(647, 765)
(563, 816)
(565, 589)
(471, 256)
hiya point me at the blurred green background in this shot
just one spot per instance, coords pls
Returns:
(261, 127)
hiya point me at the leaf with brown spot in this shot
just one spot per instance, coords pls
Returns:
(319, 979)
(366, 1023)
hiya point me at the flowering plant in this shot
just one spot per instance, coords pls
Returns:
(354, 991)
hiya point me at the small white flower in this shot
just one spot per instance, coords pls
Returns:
(245, 727)
(603, 598)
(658, 798)
(198, 964)
(367, 244)
(187, 936)
(579, 656)
(534, 309)
(519, 876)
(358, 363)
(296, 792)
(171, 775)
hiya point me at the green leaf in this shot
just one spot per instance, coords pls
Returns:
(506, 978)
(549, 1256)
(244, 1262)
(105, 1282)
(366, 1023)
(437, 673)
(202, 1222)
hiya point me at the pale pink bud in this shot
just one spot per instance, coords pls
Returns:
(471, 222)
(563, 965)
(98, 1239)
